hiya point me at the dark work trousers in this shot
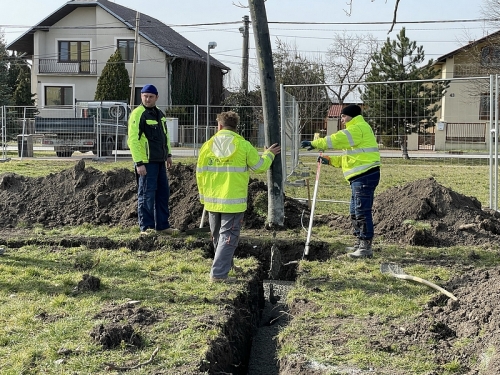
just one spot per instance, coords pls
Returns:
(225, 229)
(153, 195)
(362, 194)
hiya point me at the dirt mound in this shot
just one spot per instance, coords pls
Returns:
(86, 195)
(420, 213)
(445, 325)
(426, 213)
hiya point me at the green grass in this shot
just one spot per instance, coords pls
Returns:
(344, 302)
(41, 314)
(340, 307)
(464, 179)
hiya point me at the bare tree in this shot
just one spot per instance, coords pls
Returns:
(293, 68)
(490, 9)
(348, 62)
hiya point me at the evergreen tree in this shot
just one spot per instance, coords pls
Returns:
(5, 93)
(411, 102)
(114, 82)
(19, 82)
(22, 92)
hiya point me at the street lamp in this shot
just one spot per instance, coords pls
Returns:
(211, 45)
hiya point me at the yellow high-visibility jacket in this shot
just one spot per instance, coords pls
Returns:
(360, 147)
(223, 171)
(148, 137)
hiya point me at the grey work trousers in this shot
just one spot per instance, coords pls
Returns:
(225, 230)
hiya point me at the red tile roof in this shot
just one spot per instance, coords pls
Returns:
(334, 110)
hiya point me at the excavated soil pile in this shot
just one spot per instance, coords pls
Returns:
(426, 213)
(420, 213)
(86, 195)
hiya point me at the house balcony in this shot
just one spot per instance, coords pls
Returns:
(474, 70)
(54, 66)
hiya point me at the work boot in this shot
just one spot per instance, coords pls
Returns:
(169, 231)
(355, 246)
(147, 232)
(364, 250)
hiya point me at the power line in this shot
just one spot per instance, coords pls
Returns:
(269, 22)
(385, 22)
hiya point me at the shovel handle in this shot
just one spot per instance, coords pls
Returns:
(428, 283)
(203, 217)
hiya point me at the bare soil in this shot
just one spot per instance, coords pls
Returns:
(86, 195)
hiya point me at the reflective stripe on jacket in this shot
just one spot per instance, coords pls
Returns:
(141, 125)
(223, 171)
(360, 147)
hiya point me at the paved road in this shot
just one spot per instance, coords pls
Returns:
(191, 152)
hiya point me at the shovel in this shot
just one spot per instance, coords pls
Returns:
(316, 183)
(392, 269)
(201, 229)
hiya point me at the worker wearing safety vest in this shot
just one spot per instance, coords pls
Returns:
(360, 163)
(223, 174)
(149, 143)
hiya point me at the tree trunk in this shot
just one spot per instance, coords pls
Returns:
(404, 146)
(276, 210)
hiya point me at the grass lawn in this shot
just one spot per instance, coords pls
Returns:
(338, 307)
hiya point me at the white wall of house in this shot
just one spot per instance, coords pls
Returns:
(151, 67)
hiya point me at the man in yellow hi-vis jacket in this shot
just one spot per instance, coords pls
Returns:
(149, 143)
(223, 175)
(360, 163)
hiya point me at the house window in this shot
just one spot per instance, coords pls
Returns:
(137, 96)
(490, 56)
(58, 95)
(74, 51)
(484, 107)
(126, 48)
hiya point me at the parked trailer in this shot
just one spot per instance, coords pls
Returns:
(96, 126)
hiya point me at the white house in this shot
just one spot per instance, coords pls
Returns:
(70, 47)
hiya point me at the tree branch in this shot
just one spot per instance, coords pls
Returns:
(394, 18)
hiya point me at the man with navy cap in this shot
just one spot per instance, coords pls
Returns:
(360, 163)
(149, 143)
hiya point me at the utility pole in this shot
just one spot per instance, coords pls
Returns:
(276, 210)
(134, 63)
(244, 70)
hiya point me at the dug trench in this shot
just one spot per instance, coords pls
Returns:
(83, 194)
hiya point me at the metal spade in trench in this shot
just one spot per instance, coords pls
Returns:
(275, 261)
(392, 269)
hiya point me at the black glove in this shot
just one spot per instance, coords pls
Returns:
(324, 159)
(307, 144)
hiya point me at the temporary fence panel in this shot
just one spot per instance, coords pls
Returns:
(100, 129)
(454, 120)
(3, 135)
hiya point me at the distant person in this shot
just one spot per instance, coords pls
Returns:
(149, 143)
(223, 175)
(360, 163)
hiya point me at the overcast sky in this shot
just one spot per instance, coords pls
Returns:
(438, 38)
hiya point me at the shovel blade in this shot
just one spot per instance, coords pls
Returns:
(391, 269)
